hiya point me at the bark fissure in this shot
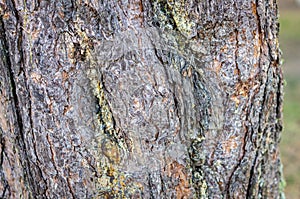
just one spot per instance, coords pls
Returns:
(163, 191)
(109, 131)
(243, 147)
(70, 187)
(52, 151)
(259, 30)
(264, 101)
(279, 100)
(18, 102)
(19, 132)
(150, 183)
(91, 165)
(4, 181)
(251, 177)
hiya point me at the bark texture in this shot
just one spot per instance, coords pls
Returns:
(140, 99)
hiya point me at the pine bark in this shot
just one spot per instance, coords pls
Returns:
(140, 99)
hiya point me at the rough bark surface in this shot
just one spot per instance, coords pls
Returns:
(140, 99)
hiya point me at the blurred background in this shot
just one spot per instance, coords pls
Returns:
(289, 11)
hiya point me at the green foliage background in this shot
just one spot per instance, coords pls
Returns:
(290, 142)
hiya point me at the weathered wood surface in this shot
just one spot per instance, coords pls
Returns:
(140, 99)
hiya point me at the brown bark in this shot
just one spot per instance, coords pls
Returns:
(140, 99)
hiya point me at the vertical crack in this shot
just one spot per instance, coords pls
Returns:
(70, 188)
(52, 154)
(252, 170)
(150, 184)
(2, 175)
(15, 101)
(236, 55)
(279, 95)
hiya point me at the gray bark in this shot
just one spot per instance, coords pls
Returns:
(140, 99)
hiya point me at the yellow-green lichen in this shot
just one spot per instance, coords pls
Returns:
(105, 116)
(201, 185)
(181, 17)
(112, 181)
(115, 184)
(175, 10)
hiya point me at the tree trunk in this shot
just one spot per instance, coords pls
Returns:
(140, 99)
